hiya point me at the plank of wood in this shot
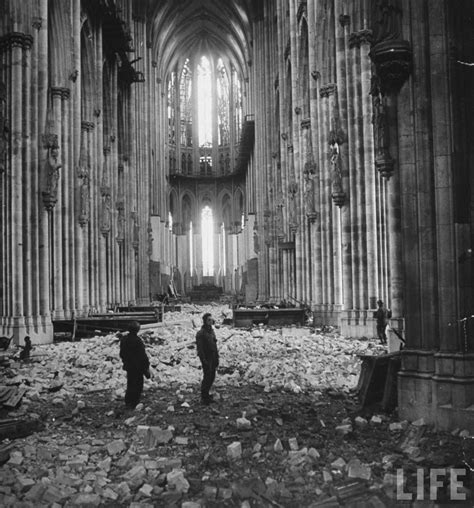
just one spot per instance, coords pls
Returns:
(6, 392)
(15, 398)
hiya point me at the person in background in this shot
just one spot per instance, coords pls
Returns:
(135, 363)
(382, 315)
(25, 350)
(206, 344)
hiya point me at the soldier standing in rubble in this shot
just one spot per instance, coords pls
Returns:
(135, 363)
(206, 344)
(382, 315)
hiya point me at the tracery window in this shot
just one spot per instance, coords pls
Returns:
(205, 114)
(172, 108)
(186, 106)
(237, 104)
(205, 101)
(223, 104)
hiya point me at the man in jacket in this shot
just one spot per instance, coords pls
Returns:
(382, 315)
(135, 363)
(206, 344)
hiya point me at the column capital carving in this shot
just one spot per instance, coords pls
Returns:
(87, 126)
(344, 20)
(61, 92)
(37, 22)
(306, 123)
(16, 40)
(356, 39)
(327, 90)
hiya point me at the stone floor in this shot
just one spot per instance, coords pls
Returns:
(286, 428)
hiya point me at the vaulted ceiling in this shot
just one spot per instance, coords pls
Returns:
(180, 27)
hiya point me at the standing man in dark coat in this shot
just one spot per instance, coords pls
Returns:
(206, 343)
(135, 363)
(382, 315)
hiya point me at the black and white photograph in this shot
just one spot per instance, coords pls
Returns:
(236, 253)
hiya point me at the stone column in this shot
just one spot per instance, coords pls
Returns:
(16, 43)
(56, 216)
(68, 206)
(342, 27)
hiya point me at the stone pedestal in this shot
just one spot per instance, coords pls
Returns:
(439, 387)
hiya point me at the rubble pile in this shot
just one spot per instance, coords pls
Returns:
(286, 429)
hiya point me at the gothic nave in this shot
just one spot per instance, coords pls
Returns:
(312, 151)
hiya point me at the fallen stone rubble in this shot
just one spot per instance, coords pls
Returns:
(285, 430)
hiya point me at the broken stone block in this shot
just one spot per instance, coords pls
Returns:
(116, 447)
(180, 440)
(339, 463)
(24, 483)
(16, 458)
(224, 493)
(86, 499)
(142, 431)
(376, 420)
(313, 453)
(146, 490)
(419, 423)
(278, 447)
(234, 450)
(344, 429)
(108, 493)
(52, 495)
(123, 489)
(135, 476)
(105, 464)
(210, 492)
(176, 481)
(168, 465)
(36, 492)
(293, 443)
(243, 424)
(395, 427)
(191, 504)
(327, 476)
(157, 436)
(358, 470)
(361, 422)
(412, 451)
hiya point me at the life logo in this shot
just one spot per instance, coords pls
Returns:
(452, 485)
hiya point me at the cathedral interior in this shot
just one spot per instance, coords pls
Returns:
(309, 151)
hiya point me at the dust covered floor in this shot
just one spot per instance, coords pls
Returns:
(286, 428)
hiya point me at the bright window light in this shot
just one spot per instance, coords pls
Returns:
(191, 249)
(204, 90)
(207, 234)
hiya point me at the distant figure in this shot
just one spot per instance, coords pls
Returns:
(25, 351)
(206, 343)
(382, 315)
(135, 363)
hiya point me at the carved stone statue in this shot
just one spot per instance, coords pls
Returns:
(84, 195)
(51, 175)
(106, 220)
(337, 191)
(386, 16)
